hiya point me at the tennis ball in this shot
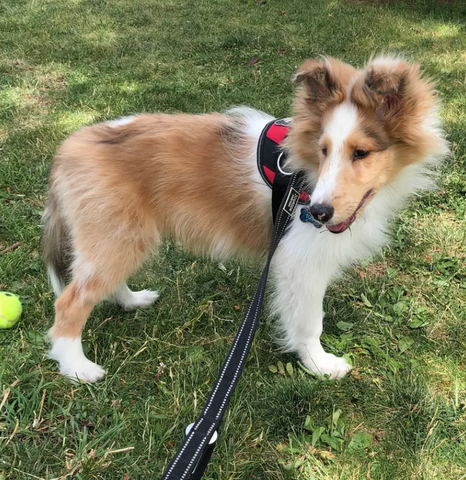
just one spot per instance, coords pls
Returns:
(10, 309)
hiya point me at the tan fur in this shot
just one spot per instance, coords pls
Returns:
(72, 309)
(121, 188)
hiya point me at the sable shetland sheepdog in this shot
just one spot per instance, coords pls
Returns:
(365, 138)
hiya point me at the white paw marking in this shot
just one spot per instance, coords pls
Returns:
(130, 300)
(84, 371)
(142, 299)
(327, 364)
(68, 352)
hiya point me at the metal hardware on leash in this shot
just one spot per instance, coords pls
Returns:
(211, 441)
(280, 169)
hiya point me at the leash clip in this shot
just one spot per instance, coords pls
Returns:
(199, 468)
(212, 440)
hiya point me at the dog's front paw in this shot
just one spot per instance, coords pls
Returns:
(83, 371)
(68, 352)
(327, 364)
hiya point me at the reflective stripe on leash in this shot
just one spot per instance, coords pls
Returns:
(194, 454)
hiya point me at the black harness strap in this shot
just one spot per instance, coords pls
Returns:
(271, 162)
(279, 188)
(193, 455)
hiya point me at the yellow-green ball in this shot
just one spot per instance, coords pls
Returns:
(10, 309)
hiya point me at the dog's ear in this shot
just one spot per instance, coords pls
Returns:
(317, 78)
(324, 80)
(389, 85)
(394, 91)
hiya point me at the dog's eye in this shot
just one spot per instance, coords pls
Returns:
(324, 151)
(360, 154)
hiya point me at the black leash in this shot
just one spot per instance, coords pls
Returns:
(194, 454)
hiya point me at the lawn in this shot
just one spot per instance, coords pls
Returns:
(401, 413)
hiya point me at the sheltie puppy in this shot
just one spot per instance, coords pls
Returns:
(366, 140)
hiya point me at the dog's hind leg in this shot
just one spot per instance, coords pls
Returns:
(130, 300)
(101, 265)
(72, 309)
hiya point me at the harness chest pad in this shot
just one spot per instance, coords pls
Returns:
(269, 150)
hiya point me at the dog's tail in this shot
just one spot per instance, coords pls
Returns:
(57, 245)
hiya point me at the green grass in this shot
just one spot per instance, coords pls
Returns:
(403, 409)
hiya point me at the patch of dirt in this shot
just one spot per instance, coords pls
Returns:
(373, 270)
(439, 333)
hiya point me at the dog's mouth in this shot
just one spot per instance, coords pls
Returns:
(342, 226)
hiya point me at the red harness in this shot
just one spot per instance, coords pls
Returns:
(270, 153)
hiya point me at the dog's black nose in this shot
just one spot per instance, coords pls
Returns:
(322, 212)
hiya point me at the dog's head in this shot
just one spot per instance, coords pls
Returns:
(356, 130)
